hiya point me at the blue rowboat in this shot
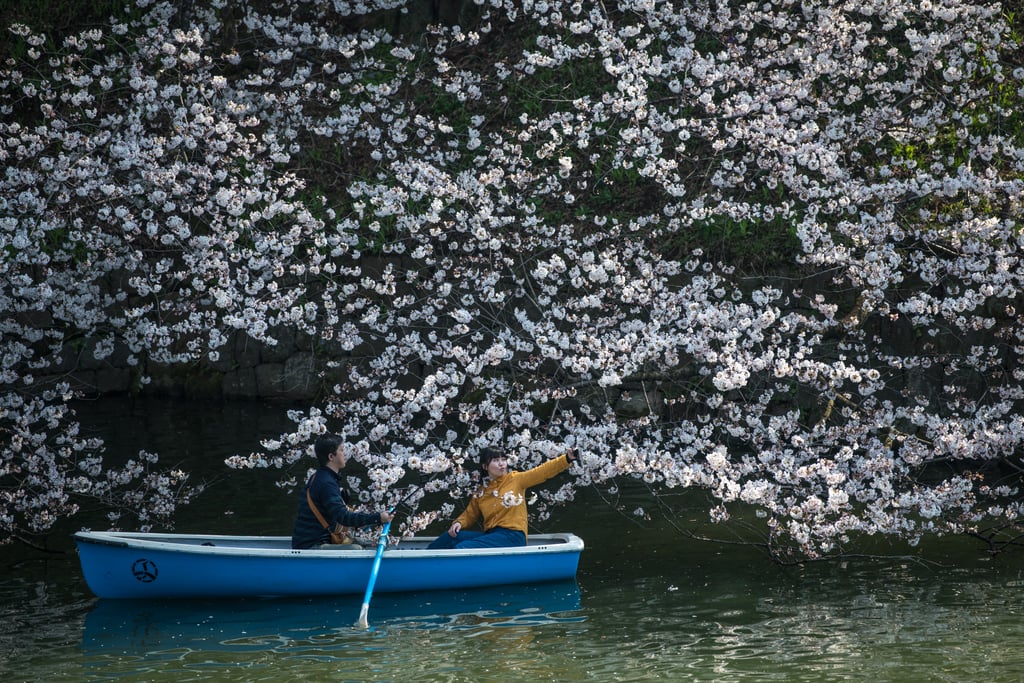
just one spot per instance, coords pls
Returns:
(153, 565)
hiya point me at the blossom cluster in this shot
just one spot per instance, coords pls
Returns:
(486, 225)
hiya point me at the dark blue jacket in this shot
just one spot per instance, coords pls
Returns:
(325, 488)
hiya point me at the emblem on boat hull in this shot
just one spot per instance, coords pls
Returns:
(145, 570)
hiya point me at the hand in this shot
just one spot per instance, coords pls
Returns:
(386, 517)
(454, 529)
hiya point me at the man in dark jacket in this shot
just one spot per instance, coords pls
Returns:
(324, 489)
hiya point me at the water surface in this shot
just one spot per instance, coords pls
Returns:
(647, 605)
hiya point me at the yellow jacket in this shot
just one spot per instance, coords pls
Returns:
(502, 502)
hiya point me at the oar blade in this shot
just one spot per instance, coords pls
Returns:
(363, 623)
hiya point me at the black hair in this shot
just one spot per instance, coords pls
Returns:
(325, 446)
(486, 456)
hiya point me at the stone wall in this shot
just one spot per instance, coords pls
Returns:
(295, 369)
(301, 368)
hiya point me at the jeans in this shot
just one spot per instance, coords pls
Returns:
(498, 537)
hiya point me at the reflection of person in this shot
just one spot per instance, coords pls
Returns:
(324, 489)
(499, 504)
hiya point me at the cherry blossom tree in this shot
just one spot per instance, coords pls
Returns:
(764, 252)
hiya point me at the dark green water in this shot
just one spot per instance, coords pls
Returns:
(647, 605)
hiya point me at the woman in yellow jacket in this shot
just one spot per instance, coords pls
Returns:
(499, 504)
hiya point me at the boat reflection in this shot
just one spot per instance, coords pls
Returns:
(139, 626)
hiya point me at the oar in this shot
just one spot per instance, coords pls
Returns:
(381, 544)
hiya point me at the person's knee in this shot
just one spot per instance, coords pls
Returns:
(443, 542)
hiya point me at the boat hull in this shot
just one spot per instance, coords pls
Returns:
(145, 565)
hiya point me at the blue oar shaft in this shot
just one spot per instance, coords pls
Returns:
(381, 544)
